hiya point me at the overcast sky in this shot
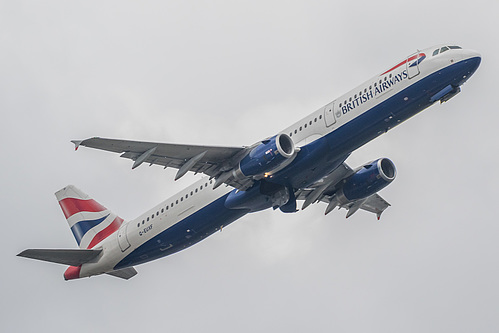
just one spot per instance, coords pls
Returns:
(232, 73)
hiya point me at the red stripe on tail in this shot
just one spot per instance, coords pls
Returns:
(71, 206)
(103, 234)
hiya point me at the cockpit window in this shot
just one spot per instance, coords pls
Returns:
(435, 52)
(455, 47)
(443, 49)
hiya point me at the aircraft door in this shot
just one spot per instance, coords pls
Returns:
(122, 238)
(329, 114)
(412, 65)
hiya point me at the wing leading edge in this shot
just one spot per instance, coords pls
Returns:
(209, 160)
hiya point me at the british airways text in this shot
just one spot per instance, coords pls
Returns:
(381, 88)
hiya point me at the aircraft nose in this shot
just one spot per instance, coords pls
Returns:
(470, 63)
(473, 60)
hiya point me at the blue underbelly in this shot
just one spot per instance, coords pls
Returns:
(185, 233)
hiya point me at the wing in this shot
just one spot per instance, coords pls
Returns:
(324, 190)
(209, 160)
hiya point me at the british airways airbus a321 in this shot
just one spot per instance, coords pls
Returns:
(305, 161)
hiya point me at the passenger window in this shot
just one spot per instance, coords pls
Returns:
(201, 187)
(196, 191)
(138, 225)
(147, 220)
(176, 202)
(320, 117)
(162, 210)
(296, 131)
(157, 213)
(300, 128)
(310, 122)
(305, 125)
(152, 216)
(166, 207)
(435, 52)
(171, 205)
(443, 49)
(291, 134)
(350, 99)
(355, 96)
(315, 120)
(181, 198)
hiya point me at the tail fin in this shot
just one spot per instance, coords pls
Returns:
(89, 221)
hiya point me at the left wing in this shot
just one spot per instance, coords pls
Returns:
(209, 160)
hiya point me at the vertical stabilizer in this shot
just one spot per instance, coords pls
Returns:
(89, 221)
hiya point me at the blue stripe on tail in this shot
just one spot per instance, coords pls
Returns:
(81, 228)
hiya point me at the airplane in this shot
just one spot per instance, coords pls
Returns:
(305, 161)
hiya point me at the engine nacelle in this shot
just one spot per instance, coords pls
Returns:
(267, 156)
(370, 179)
(261, 196)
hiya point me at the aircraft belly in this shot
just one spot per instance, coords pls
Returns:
(184, 233)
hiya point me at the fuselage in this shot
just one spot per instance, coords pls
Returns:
(325, 138)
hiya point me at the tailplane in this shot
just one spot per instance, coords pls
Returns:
(89, 221)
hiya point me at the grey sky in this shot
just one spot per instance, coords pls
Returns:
(226, 72)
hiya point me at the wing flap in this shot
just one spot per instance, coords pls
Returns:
(72, 257)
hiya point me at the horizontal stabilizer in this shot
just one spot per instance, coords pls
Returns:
(125, 273)
(72, 257)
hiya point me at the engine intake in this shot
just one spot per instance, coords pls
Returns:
(370, 179)
(267, 156)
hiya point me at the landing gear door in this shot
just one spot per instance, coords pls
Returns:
(412, 65)
(329, 114)
(122, 238)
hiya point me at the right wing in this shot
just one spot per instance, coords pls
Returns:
(325, 189)
(210, 160)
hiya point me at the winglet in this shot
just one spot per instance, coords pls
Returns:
(77, 143)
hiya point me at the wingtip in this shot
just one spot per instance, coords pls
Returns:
(77, 143)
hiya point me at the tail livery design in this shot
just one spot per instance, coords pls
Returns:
(89, 221)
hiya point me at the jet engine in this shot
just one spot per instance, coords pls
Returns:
(261, 196)
(268, 156)
(368, 180)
